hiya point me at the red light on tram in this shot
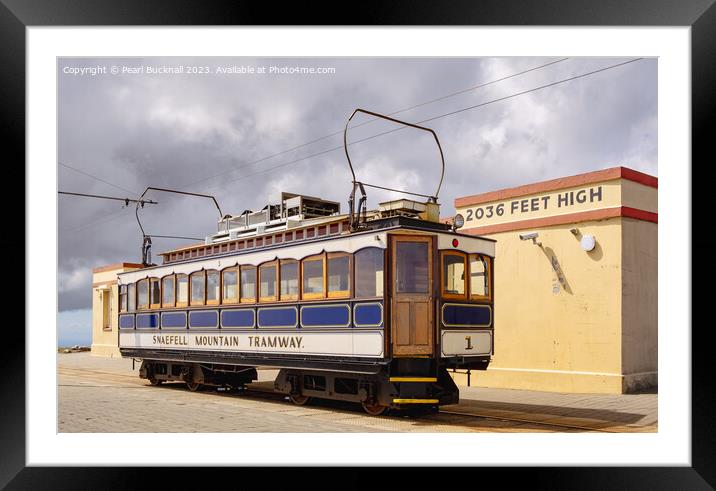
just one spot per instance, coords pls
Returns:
(455, 243)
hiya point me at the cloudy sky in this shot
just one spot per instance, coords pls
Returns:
(242, 137)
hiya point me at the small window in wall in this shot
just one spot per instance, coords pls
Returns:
(182, 290)
(155, 293)
(339, 274)
(198, 284)
(230, 280)
(143, 294)
(168, 291)
(289, 280)
(248, 284)
(131, 297)
(369, 272)
(454, 268)
(267, 282)
(212, 287)
(122, 298)
(313, 279)
(479, 277)
(106, 309)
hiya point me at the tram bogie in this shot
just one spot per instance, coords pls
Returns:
(197, 375)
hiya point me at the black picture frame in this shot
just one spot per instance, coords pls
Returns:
(700, 15)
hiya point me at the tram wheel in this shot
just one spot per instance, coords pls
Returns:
(299, 400)
(373, 408)
(193, 386)
(155, 381)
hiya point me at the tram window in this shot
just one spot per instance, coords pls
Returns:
(479, 276)
(369, 272)
(182, 290)
(411, 265)
(230, 280)
(313, 280)
(198, 285)
(168, 291)
(267, 282)
(248, 284)
(212, 287)
(289, 280)
(143, 294)
(155, 294)
(338, 275)
(453, 275)
(122, 298)
(131, 297)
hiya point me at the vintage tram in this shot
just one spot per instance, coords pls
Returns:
(369, 306)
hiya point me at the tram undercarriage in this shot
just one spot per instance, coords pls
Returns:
(377, 393)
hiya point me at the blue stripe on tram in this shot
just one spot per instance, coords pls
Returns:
(467, 315)
(237, 318)
(326, 315)
(147, 321)
(204, 318)
(126, 321)
(278, 317)
(368, 314)
(174, 319)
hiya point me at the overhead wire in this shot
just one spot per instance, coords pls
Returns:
(433, 118)
(372, 120)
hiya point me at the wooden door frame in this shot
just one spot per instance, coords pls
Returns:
(431, 240)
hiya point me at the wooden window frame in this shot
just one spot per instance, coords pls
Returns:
(173, 303)
(133, 288)
(236, 270)
(151, 282)
(177, 303)
(277, 285)
(466, 272)
(253, 299)
(206, 287)
(314, 296)
(138, 305)
(354, 290)
(124, 295)
(339, 293)
(281, 296)
(488, 272)
(191, 297)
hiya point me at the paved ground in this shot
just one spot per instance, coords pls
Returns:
(106, 395)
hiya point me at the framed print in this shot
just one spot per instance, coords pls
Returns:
(237, 201)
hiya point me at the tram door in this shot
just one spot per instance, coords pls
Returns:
(412, 313)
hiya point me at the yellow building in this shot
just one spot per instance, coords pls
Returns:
(105, 332)
(575, 282)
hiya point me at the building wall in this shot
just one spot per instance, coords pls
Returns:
(557, 311)
(640, 300)
(105, 331)
(565, 319)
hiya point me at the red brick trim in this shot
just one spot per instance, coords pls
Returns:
(646, 216)
(581, 216)
(561, 183)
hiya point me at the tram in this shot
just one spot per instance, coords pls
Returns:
(373, 307)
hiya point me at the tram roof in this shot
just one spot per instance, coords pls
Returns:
(333, 228)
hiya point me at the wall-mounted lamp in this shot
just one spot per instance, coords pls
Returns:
(575, 231)
(457, 222)
(588, 243)
(531, 236)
